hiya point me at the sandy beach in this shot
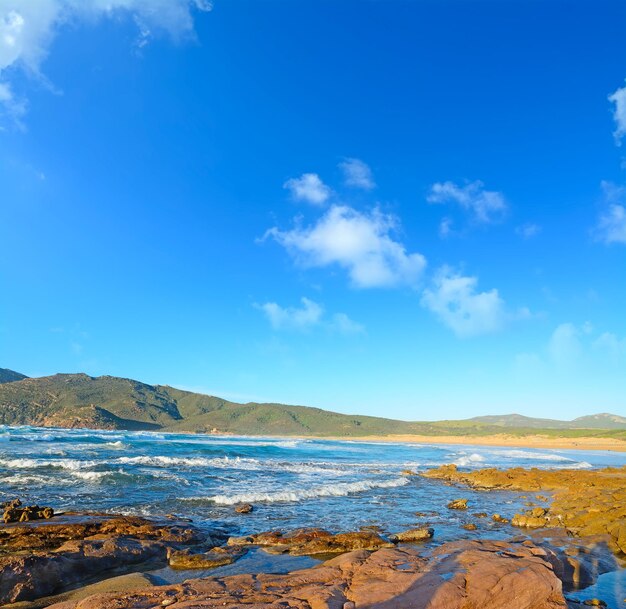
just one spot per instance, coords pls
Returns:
(534, 441)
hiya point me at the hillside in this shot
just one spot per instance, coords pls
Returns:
(8, 376)
(107, 402)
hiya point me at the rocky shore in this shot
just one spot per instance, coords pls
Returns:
(103, 561)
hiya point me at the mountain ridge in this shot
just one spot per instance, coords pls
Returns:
(78, 400)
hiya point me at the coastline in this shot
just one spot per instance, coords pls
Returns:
(503, 440)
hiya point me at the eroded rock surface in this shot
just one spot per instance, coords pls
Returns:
(38, 559)
(311, 542)
(584, 502)
(459, 575)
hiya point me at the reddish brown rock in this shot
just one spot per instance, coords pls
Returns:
(460, 575)
(38, 559)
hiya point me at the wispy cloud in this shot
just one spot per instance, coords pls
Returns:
(483, 206)
(357, 174)
(28, 27)
(455, 300)
(611, 226)
(361, 243)
(307, 316)
(528, 230)
(564, 346)
(309, 188)
(618, 98)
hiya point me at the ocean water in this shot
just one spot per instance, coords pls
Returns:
(339, 485)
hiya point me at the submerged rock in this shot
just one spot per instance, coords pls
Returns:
(458, 504)
(244, 508)
(421, 534)
(309, 542)
(216, 557)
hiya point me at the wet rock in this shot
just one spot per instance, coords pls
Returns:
(458, 504)
(459, 575)
(500, 519)
(594, 602)
(421, 534)
(309, 542)
(13, 503)
(14, 513)
(216, 557)
(470, 526)
(480, 514)
(244, 508)
(36, 560)
(590, 502)
(408, 472)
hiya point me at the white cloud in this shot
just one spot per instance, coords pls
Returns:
(528, 230)
(357, 174)
(611, 227)
(344, 325)
(454, 299)
(360, 243)
(610, 344)
(308, 187)
(445, 227)
(564, 346)
(28, 27)
(619, 113)
(485, 206)
(309, 315)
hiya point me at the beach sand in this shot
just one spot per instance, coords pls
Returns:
(507, 440)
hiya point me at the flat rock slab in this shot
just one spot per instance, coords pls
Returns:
(459, 575)
(40, 560)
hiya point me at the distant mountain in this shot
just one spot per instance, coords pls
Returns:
(108, 402)
(603, 420)
(519, 420)
(8, 376)
(593, 421)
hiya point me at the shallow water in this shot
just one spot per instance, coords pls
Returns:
(340, 485)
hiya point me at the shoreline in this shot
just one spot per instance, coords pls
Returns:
(501, 440)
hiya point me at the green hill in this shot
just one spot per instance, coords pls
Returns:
(8, 376)
(108, 402)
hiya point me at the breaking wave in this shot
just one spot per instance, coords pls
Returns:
(330, 490)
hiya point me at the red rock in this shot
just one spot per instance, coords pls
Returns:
(460, 575)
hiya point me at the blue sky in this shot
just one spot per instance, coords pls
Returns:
(413, 209)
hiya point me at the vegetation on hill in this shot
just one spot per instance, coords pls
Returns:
(8, 376)
(107, 402)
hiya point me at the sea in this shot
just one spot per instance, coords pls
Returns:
(339, 485)
(292, 483)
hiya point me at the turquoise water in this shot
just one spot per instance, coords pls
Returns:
(338, 485)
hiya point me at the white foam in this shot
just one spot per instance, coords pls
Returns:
(527, 454)
(164, 461)
(468, 460)
(330, 490)
(26, 463)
